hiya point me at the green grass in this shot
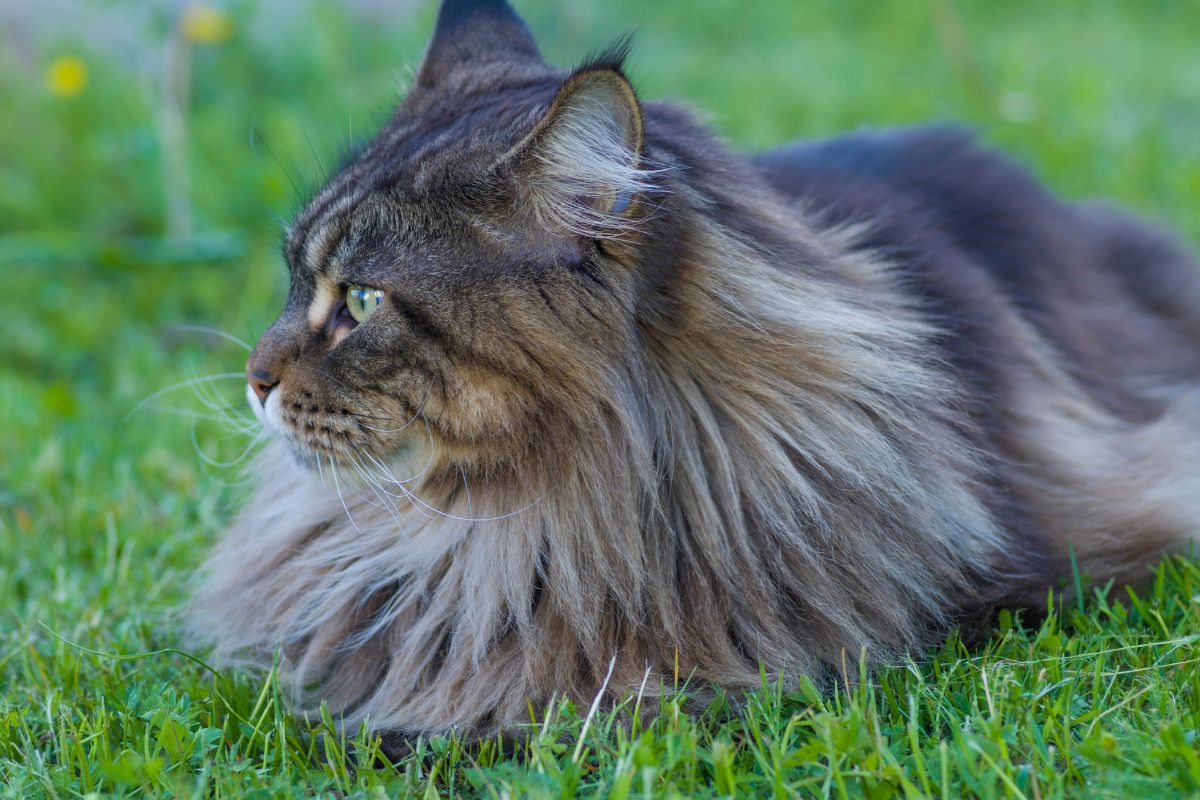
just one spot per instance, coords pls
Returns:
(104, 517)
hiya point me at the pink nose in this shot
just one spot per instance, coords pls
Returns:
(261, 383)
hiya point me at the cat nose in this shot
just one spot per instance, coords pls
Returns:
(261, 383)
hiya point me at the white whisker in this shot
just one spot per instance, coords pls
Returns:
(342, 497)
(213, 332)
(212, 462)
(243, 426)
(176, 386)
(466, 489)
(388, 476)
(420, 505)
(321, 472)
(385, 501)
(411, 420)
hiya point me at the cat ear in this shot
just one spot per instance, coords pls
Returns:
(582, 165)
(471, 32)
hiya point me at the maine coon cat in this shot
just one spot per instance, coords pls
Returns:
(563, 385)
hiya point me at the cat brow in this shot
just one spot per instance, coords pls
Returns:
(323, 239)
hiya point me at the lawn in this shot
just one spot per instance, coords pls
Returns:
(140, 211)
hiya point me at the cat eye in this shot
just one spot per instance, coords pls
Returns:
(361, 301)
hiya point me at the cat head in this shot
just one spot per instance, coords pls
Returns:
(467, 278)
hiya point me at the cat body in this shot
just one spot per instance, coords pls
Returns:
(632, 403)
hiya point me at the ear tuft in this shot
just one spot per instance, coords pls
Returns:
(611, 58)
(583, 163)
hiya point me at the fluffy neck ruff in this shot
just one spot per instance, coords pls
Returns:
(777, 478)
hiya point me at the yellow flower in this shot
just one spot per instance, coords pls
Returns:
(66, 76)
(204, 24)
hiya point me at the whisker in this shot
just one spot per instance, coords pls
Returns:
(405, 494)
(176, 386)
(390, 477)
(370, 416)
(359, 415)
(196, 414)
(466, 489)
(417, 501)
(208, 396)
(242, 426)
(353, 391)
(297, 195)
(411, 420)
(458, 518)
(338, 485)
(378, 490)
(321, 473)
(212, 462)
(313, 150)
(213, 332)
(334, 379)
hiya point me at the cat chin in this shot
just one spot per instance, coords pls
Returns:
(403, 466)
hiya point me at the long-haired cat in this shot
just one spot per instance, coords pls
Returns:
(565, 393)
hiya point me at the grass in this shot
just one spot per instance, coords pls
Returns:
(103, 515)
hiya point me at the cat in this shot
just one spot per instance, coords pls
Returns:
(568, 399)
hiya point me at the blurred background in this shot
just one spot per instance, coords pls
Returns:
(151, 151)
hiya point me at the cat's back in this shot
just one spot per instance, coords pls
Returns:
(977, 237)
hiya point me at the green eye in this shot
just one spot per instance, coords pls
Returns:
(362, 300)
